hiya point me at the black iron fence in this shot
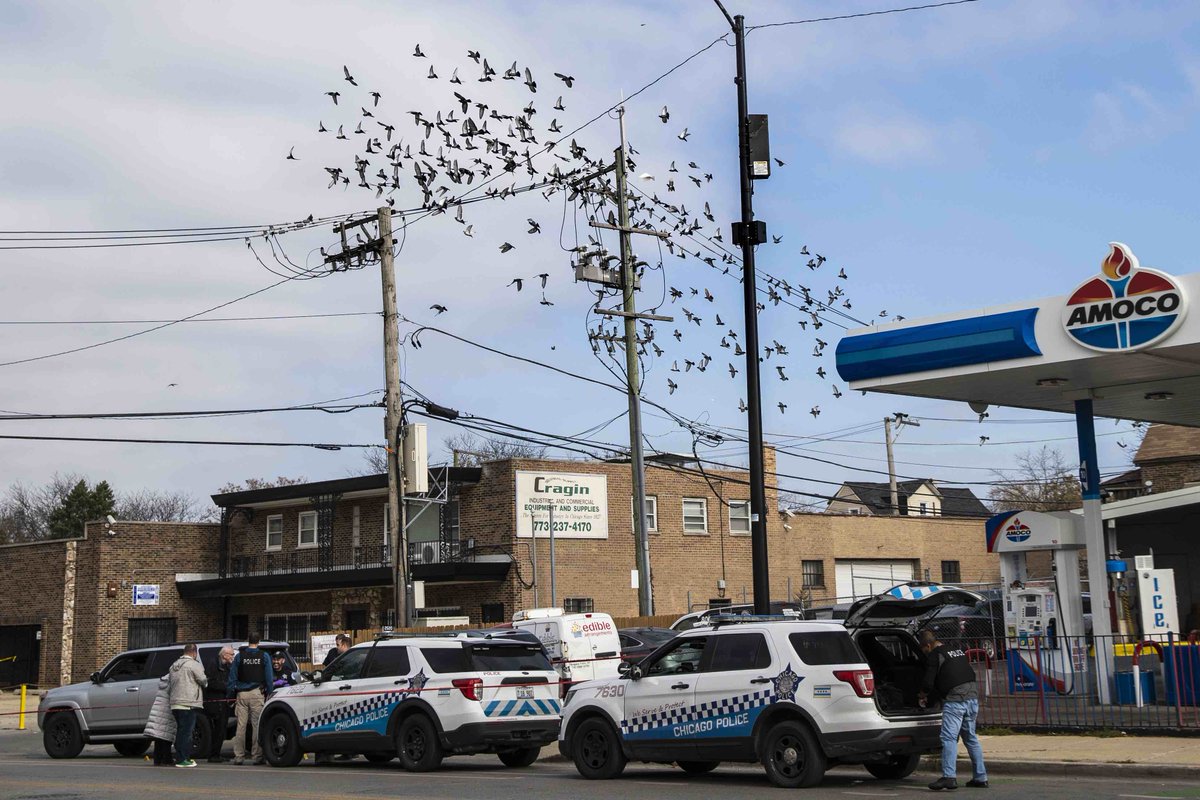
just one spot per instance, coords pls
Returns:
(310, 560)
(1054, 682)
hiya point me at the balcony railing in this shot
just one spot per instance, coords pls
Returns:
(310, 560)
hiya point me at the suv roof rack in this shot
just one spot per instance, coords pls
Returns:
(719, 620)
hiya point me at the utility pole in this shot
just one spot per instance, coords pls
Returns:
(626, 281)
(895, 493)
(393, 434)
(748, 233)
(633, 379)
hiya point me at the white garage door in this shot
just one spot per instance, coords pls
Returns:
(857, 579)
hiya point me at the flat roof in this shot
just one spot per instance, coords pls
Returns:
(1150, 503)
(1021, 355)
(359, 485)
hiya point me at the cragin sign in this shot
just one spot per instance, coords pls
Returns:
(580, 505)
(1125, 307)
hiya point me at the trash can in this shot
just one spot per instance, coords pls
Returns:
(1184, 658)
(1125, 688)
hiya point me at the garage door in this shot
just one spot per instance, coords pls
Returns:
(861, 578)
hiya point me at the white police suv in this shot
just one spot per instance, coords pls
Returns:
(796, 696)
(420, 698)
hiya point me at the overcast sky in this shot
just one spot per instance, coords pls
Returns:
(945, 159)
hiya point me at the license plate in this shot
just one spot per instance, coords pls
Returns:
(524, 693)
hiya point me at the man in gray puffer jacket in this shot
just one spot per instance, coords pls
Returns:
(186, 698)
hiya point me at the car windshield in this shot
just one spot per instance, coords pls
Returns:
(508, 658)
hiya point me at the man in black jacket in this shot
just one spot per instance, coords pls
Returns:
(341, 644)
(216, 702)
(950, 679)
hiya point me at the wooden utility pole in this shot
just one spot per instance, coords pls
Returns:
(392, 434)
(392, 420)
(887, 438)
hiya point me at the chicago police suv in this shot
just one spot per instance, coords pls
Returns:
(420, 698)
(796, 696)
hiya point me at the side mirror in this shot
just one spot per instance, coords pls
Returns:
(95, 677)
(296, 676)
(635, 672)
(305, 675)
(624, 668)
(317, 676)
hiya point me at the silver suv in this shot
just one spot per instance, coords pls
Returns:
(112, 707)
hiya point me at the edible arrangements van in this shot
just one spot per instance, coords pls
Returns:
(582, 647)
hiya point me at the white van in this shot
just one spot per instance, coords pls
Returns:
(582, 647)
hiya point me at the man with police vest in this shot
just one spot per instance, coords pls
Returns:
(950, 679)
(250, 681)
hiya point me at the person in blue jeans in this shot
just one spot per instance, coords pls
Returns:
(950, 679)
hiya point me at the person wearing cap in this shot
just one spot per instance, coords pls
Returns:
(279, 668)
(950, 680)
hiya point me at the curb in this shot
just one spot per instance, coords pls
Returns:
(1073, 769)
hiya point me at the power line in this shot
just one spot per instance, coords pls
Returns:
(207, 319)
(315, 445)
(329, 409)
(860, 15)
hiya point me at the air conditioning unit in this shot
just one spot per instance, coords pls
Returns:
(1143, 562)
(429, 554)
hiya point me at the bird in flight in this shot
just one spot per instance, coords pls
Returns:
(417, 52)
(291, 156)
(518, 282)
(815, 411)
(983, 440)
(440, 309)
(664, 115)
(376, 95)
(569, 80)
(504, 248)
(534, 226)
(782, 407)
(683, 137)
(335, 96)
(349, 78)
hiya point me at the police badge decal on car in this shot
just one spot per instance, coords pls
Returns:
(785, 684)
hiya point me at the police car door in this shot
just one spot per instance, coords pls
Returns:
(735, 686)
(330, 708)
(660, 706)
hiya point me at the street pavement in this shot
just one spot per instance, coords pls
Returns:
(26, 772)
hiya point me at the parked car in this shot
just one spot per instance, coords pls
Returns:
(796, 696)
(691, 620)
(420, 698)
(113, 706)
(979, 625)
(636, 643)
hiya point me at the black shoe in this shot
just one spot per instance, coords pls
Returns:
(974, 784)
(944, 783)
(216, 760)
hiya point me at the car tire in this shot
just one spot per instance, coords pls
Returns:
(519, 758)
(61, 735)
(281, 741)
(791, 756)
(596, 750)
(896, 767)
(698, 767)
(379, 758)
(417, 744)
(133, 747)
(202, 736)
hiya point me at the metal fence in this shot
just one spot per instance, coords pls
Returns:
(1052, 683)
(309, 560)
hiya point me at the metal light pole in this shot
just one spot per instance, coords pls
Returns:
(746, 233)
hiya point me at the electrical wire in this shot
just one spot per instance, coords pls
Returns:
(206, 319)
(315, 445)
(859, 15)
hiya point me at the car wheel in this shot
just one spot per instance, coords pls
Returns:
(417, 744)
(596, 750)
(281, 741)
(895, 768)
(519, 758)
(132, 748)
(202, 737)
(379, 758)
(698, 767)
(791, 756)
(61, 735)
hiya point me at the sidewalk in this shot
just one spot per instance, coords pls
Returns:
(1168, 757)
(11, 703)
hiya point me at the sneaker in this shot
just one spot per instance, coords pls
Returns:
(237, 762)
(974, 784)
(944, 783)
(188, 763)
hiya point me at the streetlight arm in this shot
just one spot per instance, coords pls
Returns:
(732, 24)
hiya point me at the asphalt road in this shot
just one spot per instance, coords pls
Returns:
(26, 772)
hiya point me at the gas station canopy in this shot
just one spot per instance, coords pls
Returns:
(1123, 339)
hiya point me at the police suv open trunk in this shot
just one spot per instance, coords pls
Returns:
(885, 626)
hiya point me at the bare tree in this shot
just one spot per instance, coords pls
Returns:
(474, 450)
(25, 510)
(149, 505)
(1043, 481)
(251, 484)
(374, 462)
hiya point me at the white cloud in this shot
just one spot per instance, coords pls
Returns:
(893, 140)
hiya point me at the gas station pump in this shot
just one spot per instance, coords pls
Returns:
(1043, 616)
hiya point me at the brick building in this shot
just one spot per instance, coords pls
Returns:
(290, 560)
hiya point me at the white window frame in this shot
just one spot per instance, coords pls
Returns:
(300, 545)
(651, 514)
(743, 504)
(279, 546)
(703, 501)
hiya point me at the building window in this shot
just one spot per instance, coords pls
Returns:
(578, 605)
(951, 572)
(922, 509)
(695, 515)
(651, 514)
(739, 516)
(150, 632)
(295, 629)
(813, 574)
(308, 529)
(856, 511)
(355, 528)
(275, 532)
(492, 613)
